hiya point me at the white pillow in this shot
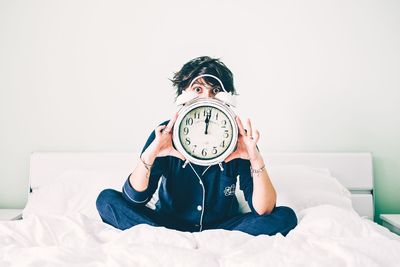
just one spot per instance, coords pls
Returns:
(300, 187)
(73, 191)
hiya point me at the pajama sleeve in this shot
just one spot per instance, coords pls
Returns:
(159, 167)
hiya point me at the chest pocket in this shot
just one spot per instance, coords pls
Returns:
(227, 186)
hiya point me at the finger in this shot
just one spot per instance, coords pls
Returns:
(171, 123)
(249, 128)
(159, 130)
(240, 126)
(257, 136)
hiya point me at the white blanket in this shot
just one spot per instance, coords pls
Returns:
(325, 236)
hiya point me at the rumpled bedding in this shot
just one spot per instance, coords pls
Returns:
(325, 236)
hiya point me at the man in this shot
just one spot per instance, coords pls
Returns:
(196, 198)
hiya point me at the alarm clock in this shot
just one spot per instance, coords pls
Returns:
(205, 131)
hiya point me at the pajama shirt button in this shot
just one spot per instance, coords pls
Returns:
(199, 208)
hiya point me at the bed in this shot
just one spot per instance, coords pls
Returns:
(331, 193)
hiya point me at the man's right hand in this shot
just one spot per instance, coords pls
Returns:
(162, 144)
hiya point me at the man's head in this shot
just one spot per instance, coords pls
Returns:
(204, 86)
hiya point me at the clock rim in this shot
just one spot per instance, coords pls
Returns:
(203, 102)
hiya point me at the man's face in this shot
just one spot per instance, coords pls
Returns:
(203, 89)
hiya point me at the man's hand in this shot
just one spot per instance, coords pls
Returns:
(247, 142)
(162, 144)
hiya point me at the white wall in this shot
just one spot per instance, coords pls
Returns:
(93, 76)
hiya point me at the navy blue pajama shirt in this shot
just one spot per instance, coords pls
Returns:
(185, 198)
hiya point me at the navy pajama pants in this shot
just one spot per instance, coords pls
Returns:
(118, 212)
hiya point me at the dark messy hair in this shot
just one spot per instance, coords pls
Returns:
(203, 65)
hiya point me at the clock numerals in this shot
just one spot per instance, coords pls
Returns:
(207, 112)
(222, 144)
(226, 134)
(189, 121)
(214, 151)
(205, 132)
(223, 123)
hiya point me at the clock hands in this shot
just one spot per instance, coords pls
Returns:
(207, 121)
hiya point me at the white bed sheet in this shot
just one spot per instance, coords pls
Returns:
(325, 236)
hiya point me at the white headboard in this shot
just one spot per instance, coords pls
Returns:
(353, 170)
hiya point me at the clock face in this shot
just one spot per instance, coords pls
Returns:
(206, 132)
